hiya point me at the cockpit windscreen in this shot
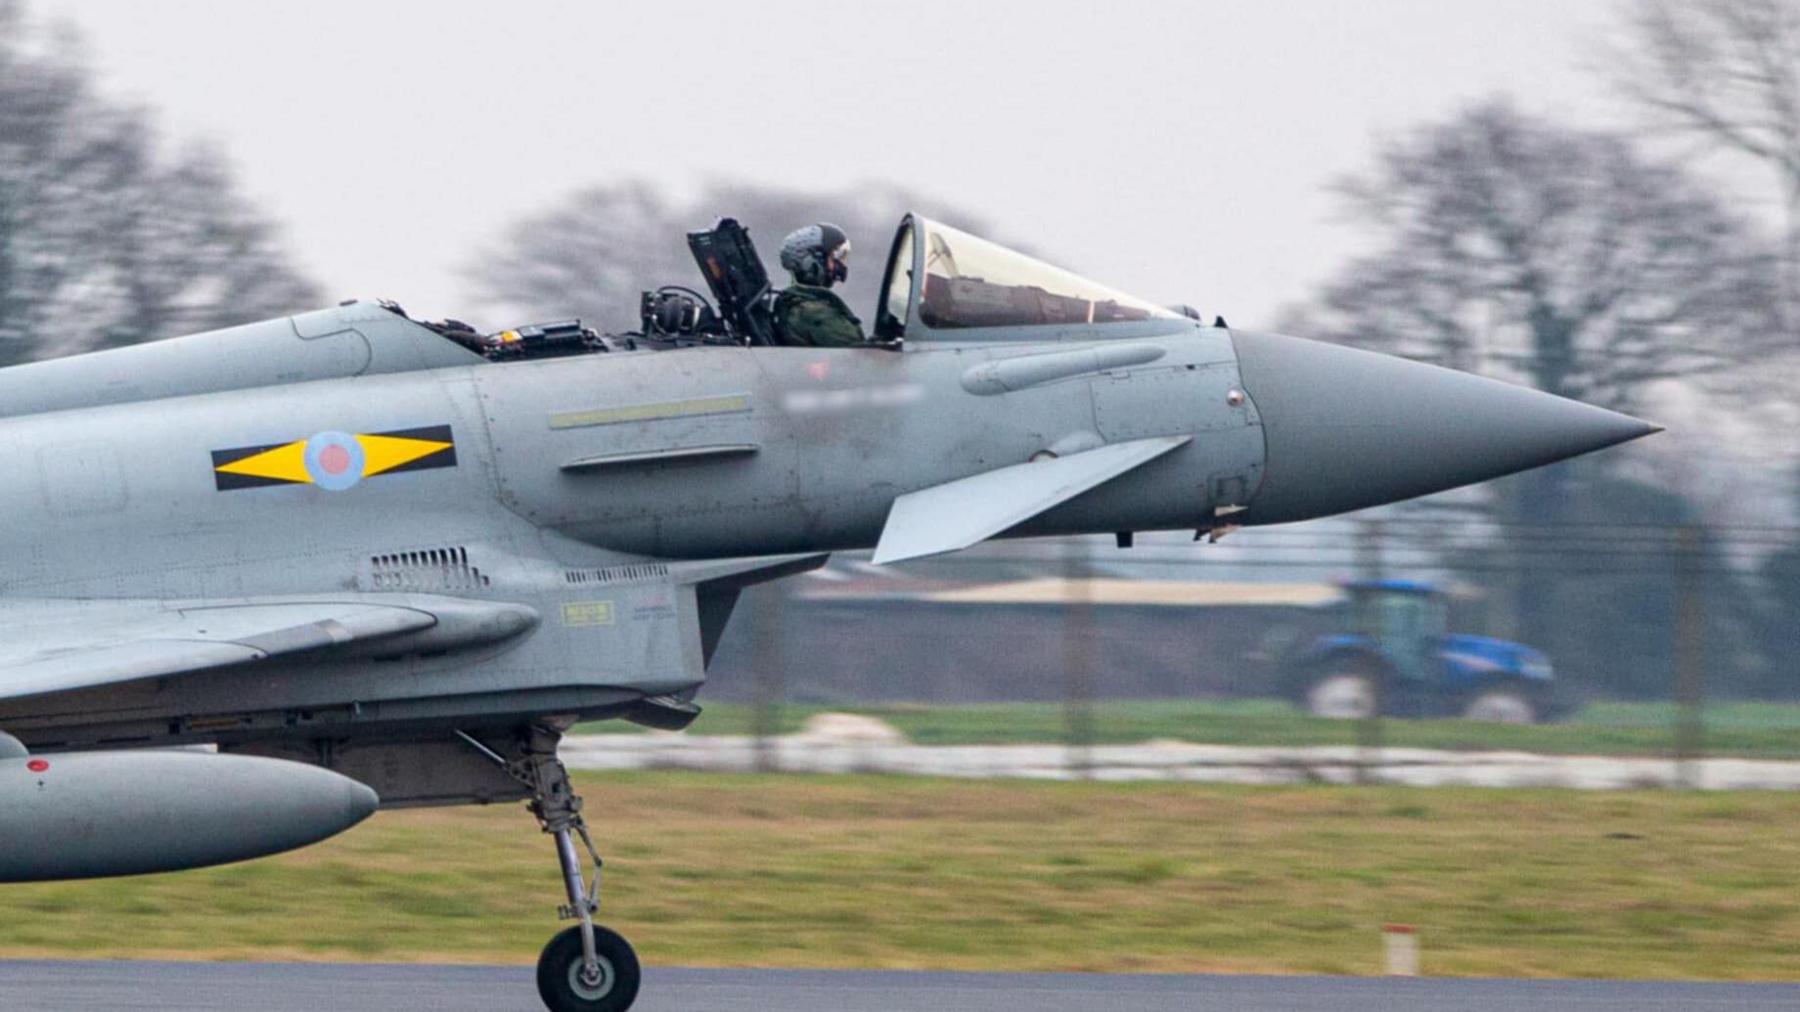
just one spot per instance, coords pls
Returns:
(970, 282)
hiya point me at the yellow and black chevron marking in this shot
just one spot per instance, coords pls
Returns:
(334, 460)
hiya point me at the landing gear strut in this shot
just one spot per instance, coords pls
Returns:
(585, 968)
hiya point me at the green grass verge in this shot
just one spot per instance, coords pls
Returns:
(894, 872)
(1763, 730)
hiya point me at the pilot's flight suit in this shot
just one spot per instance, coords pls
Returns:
(810, 316)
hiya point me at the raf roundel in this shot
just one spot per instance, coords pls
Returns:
(334, 460)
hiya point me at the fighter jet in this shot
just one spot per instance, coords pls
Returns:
(380, 563)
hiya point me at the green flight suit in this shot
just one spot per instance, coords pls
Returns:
(809, 316)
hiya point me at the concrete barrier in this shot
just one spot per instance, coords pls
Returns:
(1175, 761)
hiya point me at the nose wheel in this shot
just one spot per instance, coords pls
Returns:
(568, 984)
(585, 968)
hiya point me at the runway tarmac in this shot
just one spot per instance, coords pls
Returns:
(308, 987)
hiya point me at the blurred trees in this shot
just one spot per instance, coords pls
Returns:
(103, 241)
(1560, 257)
(591, 254)
(1726, 72)
(1557, 256)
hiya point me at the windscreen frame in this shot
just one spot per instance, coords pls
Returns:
(1157, 320)
(888, 326)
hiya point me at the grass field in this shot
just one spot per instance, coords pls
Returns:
(1764, 730)
(894, 872)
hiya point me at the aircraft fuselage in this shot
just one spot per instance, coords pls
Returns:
(562, 475)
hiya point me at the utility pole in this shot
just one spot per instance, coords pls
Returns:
(769, 679)
(1690, 657)
(1078, 659)
(1371, 566)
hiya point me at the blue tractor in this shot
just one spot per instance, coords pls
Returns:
(1393, 653)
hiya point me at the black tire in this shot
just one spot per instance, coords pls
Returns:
(1342, 692)
(1502, 704)
(559, 968)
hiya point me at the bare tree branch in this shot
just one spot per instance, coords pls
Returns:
(1554, 255)
(103, 242)
(1728, 70)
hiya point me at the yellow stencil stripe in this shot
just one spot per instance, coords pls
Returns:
(384, 453)
(722, 405)
(283, 463)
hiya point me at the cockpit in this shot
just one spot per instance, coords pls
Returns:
(940, 284)
(941, 278)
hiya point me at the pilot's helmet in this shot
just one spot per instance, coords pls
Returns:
(817, 254)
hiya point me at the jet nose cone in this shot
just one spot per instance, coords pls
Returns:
(1346, 428)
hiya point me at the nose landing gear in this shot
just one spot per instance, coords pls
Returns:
(566, 982)
(585, 968)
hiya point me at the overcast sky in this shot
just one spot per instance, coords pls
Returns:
(1175, 150)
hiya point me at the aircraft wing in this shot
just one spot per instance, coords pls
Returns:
(60, 645)
(958, 514)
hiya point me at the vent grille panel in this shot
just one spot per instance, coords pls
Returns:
(618, 574)
(426, 569)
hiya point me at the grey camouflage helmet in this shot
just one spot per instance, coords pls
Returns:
(817, 254)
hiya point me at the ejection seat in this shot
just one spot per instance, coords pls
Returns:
(729, 262)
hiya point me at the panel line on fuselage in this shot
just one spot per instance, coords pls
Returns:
(693, 407)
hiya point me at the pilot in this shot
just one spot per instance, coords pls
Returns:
(808, 313)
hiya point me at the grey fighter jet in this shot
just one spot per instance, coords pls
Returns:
(385, 563)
